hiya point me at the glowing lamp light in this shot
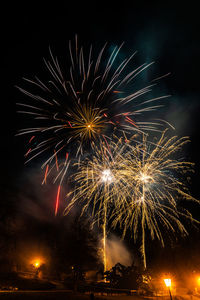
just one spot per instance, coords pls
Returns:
(198, 280)
(37, 264)
(106, 175)
(167, 282)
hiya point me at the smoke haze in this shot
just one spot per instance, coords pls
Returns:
(117, 252)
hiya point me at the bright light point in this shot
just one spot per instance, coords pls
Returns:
(107, 176)
(198, 280)
(167, 282)
(36, 264)
(144, 177)
(89, 126)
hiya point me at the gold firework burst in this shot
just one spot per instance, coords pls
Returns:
(137, 186)
(99, 183)
(87, 122)
(154, 180)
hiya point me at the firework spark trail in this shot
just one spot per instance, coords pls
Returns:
(98, 183)
(57, 200)
(153, 189)
(45, 175)
(137, 186)
(74, 109)
(98, 176)
(31, 138)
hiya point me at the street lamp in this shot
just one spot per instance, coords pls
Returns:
(36, 263)
(168, 284)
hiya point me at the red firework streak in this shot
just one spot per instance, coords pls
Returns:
(59, 187)
(69, 124)
(27, 153)
(46, 171)
(117, 92)
(66, 158)
(105, 115)
(31, 138)
(57, 200)
(108, 148)
(130, 121)
(106, 143)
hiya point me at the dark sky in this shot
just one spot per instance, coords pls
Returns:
(167, 33)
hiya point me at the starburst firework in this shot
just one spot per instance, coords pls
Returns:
(155, 180)
(136, 186)
(84, 105)
(99, 185)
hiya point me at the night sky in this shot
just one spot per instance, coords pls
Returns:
(165, 33)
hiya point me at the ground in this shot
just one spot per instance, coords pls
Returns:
(70, 295)
(57, 295)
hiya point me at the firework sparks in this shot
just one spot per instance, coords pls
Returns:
(99, 182)
(152, 178)
(75, 109)
(135, 186)
(98, 179)
(45, 176)
(57, 200)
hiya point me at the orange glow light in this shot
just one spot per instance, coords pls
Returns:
(198, 280)
(167, 282)
(37, 261)
(37, 264)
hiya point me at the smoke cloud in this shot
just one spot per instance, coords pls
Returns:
(117, 252)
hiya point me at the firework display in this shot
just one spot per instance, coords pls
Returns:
(135, 186)
(99, 180)
(99, 184)
(155, 185)
(74, 109)
(93, 113)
